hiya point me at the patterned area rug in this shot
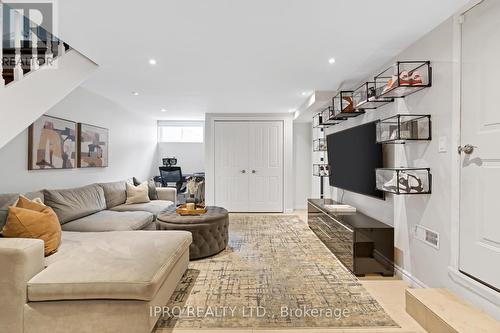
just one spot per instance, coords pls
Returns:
(275, 273)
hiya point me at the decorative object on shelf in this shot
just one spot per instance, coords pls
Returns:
(321, 170)
(190, 209)
(403, 78)
(343, 106)
(169, 161)
(365, 97)
(92, 146)
(319, 144)
(52, 144)
(404, 180)
(404, 127)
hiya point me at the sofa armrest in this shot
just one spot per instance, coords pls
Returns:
(167, 193)
(20, 259)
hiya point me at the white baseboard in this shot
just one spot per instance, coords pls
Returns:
(409, 278)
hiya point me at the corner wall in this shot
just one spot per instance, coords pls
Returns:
(132, 147)
(302, 163)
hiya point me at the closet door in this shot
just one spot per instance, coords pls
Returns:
(231, 166)
(266, 166)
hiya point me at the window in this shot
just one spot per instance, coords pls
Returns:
(172, 131)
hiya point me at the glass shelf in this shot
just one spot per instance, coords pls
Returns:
(403, 78)
(319, 144)
(321, 170)
(365, 97)
(404, 180)
(401, 128)
(327, 117)
(343, 106)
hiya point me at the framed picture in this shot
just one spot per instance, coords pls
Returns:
(51, 144)
(92, 146)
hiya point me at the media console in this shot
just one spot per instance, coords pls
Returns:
(363, 244)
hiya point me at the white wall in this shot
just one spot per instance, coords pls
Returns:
(32, 96)
(132, 147)
(421, 264)
(302, 163)
(190, 156)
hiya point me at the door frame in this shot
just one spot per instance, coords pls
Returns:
(472, 286)
(287, 119)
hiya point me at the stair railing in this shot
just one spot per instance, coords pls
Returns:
(23, 51)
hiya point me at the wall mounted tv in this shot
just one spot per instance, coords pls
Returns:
(353, 155)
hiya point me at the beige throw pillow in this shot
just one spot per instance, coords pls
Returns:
(137, 194)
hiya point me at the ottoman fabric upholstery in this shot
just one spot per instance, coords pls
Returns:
(210, 231)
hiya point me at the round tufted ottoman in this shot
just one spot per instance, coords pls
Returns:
(210, 231)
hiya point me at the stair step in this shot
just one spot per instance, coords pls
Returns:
(440, 311)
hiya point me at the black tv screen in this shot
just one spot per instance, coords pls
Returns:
(353, 155)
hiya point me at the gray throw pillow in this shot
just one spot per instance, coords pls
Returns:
(153, 195)
(115, 193)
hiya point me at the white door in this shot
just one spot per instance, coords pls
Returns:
(249, 166)
(231, 165)
(480, 166)
(266, 167)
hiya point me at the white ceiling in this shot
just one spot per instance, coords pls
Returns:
(235, 55)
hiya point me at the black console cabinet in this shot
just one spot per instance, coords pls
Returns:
(363, 244)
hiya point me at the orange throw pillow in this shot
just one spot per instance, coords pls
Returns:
(30, 219)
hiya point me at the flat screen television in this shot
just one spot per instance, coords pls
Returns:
(353, 155)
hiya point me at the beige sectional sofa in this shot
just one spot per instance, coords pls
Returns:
(111, 267)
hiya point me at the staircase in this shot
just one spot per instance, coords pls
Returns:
(37, 70)
(440, 311)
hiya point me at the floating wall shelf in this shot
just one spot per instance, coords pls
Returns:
(404, 180)
(403, 78)
(402, 128)
(319, 144)
(365, 97)
(343, 106)
(321, 170)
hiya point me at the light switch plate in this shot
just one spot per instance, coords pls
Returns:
(443, 144)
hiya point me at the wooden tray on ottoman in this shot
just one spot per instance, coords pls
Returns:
(182, 210)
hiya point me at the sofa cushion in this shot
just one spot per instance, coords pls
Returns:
(115, 193)
(7, 200)
(75, 203)
(152, 193)
(107, 220)
(154, 207)
(109, 265)
(30, 219)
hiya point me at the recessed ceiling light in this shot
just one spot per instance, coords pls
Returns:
(305, 93)
(292, 110)
(163, 110)
(135, 93)
(331, 60)
(152, 62)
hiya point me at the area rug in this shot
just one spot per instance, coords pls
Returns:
(275, 273)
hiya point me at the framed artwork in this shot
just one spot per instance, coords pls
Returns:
(51, 144)
(92, 146)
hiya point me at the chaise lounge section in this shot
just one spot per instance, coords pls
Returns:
(112, 265)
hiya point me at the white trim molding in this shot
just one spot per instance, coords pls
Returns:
(288, 183)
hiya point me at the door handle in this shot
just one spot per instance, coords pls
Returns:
(253, 171)
(467, 149)
(243, 171)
